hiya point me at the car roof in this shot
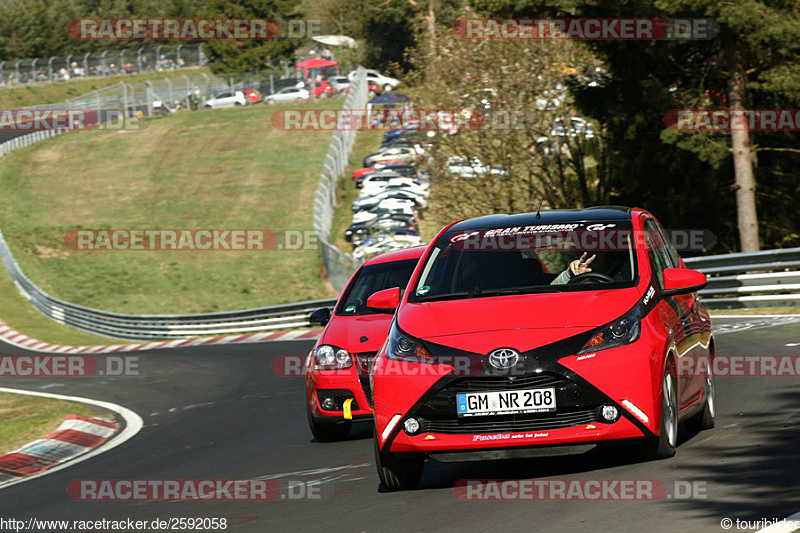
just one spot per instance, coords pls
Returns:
(415, 252)
(560, 216)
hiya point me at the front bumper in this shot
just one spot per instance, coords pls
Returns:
(583, 384)
(340, 386)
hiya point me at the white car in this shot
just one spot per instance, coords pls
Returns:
(472, 168)
(384, 82)
(289, 94)
(367, 202)
(417, 186)
(391, 206)
(227, 100)
(407, 155)
(385, 244)
(339, 83)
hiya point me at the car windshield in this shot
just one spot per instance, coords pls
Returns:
(371, 279)
(483, 262)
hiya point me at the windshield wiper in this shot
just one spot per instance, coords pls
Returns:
(477, 292)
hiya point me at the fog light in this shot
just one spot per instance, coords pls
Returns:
(328, 403)
(411, 425)
(609, 413)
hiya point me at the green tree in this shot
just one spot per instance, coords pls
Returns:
(228, 56)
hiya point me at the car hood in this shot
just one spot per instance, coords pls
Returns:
(348, 331)
(522, 322)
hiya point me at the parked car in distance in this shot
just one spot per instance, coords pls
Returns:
(339, 83)
(254, 95)
(228, 99)
(374, 77)
(320, 89)
(289, 94)
(406, 154)
(367, 202)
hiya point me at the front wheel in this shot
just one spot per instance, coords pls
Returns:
(398, 471)
(665, 444)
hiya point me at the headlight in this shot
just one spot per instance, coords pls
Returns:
(622, 331)
(332, 358)
(402, 347)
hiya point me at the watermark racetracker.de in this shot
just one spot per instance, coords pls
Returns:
(70, 366)
(733, 119)
(191, 29)
(585, 29)
(579, 490)
(38, 119)
(177, 240)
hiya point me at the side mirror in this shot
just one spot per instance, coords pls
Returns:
(321, 316)
(385, 301)
(682, 281)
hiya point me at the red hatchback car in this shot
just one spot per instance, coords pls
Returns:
(337, 368)
(527, 334)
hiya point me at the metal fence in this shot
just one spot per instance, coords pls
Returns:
(145, 327)
(339, 266)
(767, 278)
(101, 64)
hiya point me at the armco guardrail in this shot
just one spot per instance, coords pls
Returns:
(147, 327)
(771, 277)
(338, 265)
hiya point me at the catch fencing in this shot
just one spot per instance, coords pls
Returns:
(101, 63)
(339, 266)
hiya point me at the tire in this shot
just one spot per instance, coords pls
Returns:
(706, 418)
(328, 432)
(398, 471)
(387, 88)
(666, 443)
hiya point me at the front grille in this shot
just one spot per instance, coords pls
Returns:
(366, 360)
(497, 383)
(339, 397)
(367, 389)
(527, 422)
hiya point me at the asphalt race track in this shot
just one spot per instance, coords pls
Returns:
(219, 412)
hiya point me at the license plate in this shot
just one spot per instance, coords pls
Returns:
(506, 402)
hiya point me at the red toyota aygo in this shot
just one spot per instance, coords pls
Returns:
(538, 335)
(336, 370)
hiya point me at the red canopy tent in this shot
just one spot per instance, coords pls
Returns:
(318, 66)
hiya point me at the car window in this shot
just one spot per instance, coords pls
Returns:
(509, 259)
(657, 250)
(224, 95)
(371, 279)
(673, 254)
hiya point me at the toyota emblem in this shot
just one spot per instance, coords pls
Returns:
(504, 358)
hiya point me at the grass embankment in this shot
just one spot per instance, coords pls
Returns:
(26, 418)
(226, 169)
(54, 92)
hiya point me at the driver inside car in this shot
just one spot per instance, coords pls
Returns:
(582, 266)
